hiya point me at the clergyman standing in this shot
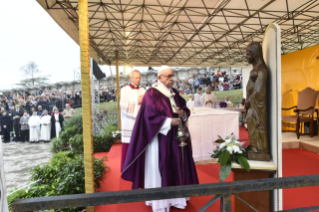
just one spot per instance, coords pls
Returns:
(131, 98)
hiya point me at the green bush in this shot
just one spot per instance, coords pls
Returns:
(71, 128)
(101, 143)
(63, 175)
(72, 135)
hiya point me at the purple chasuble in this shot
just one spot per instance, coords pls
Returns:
(154, 109)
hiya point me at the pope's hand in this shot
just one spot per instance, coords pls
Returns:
(180, 113)
(140, 98)
(175, 121)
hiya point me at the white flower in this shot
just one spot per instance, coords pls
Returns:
(230, 149)
(222, 145)
(227, 141)
(236, 149)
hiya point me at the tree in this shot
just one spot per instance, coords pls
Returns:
(32, 75)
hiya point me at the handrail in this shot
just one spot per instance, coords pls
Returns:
(114, 197)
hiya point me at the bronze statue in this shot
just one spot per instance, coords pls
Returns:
(256, 104)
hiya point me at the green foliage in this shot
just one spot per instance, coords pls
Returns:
(63, 175)
(76, 144)
(72, 137)
(230, 150)
(224, 171)
(243, 162)
(223, 158)
(101, 143)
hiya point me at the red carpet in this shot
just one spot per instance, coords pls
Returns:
(295, 162)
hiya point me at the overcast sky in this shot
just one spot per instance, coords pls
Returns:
(28, 33)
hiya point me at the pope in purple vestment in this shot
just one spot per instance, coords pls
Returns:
(154, 111)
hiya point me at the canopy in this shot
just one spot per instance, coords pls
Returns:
(186, 32)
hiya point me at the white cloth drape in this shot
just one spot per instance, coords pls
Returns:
(45, 129)
(221, 123)
(34, 124)
(129, 110)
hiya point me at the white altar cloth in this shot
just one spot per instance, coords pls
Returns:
(205, 124)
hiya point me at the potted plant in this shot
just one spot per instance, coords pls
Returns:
(230, 150)
(116, 136)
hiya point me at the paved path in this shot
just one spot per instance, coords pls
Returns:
(19, 158)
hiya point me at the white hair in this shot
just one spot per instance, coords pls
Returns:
(134, 71)
(161, 69)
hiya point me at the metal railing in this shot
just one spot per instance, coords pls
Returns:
(222, 191)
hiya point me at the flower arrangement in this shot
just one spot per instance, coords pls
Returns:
(230, 150)
(116, 135)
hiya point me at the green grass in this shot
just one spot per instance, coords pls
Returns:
(234, 96)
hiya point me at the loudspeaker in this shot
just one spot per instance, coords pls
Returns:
(97, 71)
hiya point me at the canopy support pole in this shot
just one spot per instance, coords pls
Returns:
(118, 90)
(86, 99)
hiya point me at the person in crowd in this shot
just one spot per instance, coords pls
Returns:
(156, 156)
(40, 111)
(32, 110)
(16, 115)
(45, 127)
(131, 98)
(68, 112)
(54, 108)
(34, 125)
(56, 124)
(5, 124)
(24, 122)
(190, 103)
(227, 100)
(197, 98)
(208, 99)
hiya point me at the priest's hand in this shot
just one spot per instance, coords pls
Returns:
(180, 113)
(175, 121)
(4, 126)
(140, 98)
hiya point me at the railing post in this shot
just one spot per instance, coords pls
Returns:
(225, 203)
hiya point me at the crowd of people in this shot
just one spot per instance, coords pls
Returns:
(20, 125)
(219, 81)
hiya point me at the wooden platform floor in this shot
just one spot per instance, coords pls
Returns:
(290, 141)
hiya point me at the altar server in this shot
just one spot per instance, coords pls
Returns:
(34, 124)
(197, 98)
(154, 156)
(45, 127)
(208, 99)
(56, 124)
(131, 98)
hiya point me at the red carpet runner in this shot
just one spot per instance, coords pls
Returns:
(295, 162)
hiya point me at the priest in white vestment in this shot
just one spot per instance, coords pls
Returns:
(131, 98)
(208, 99)
(45, 127)
(154, 155)
(197, 98)
(34, 124)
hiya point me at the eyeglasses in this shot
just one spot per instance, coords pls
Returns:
(168, 76)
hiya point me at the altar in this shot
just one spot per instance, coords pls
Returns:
(205, 125)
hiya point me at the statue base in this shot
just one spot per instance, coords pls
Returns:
(258, 156)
